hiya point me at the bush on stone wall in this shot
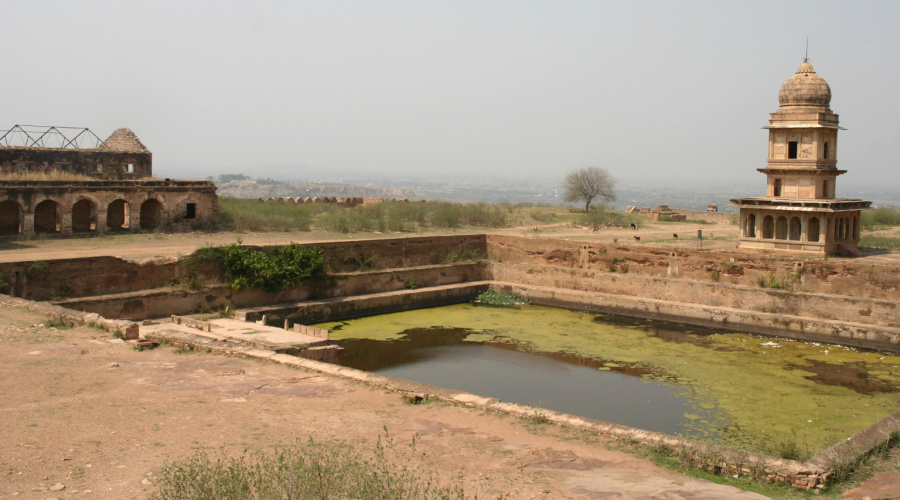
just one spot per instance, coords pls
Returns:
(288, 266)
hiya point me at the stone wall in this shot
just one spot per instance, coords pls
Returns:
(97, 163)
(846, 277)
(868, 311)
(712, 217)
(162, 302)
(95, 276)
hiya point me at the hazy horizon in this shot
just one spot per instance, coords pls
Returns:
(656, 92)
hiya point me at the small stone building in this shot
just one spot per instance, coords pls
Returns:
(800, 212)
(50, 184)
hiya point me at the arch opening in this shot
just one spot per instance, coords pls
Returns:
(813, 229)
(118, 215)
(781, 228)
(151, 214)
(46, 217)
(84, 216)
(794, 232)
(10, 217)
(768, 227)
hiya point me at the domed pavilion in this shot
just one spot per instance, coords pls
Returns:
(800, 212)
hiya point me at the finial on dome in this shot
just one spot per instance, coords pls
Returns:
(806, 67)
(806, 54)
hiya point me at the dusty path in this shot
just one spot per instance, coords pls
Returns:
(158, 245)
(87, 413)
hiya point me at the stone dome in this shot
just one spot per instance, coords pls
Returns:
(805, 88)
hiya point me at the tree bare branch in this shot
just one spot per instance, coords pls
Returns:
(588, 183)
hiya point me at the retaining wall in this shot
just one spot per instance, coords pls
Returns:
(837, 276)
(86, 277)
(868, 311)
(162, 302)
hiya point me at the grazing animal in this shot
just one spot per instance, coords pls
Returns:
(675, 236)
(634, 226)
(637, 239)
(596, 229)
(615, 240)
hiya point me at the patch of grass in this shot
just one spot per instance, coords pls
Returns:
(876, 242)
(325, 470)
(538, 415)
(59, 322)
(786, 282)
(254, 215)
(600, 215)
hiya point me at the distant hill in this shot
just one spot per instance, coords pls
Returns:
(274, 189)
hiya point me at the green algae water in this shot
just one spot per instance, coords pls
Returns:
(739, 390)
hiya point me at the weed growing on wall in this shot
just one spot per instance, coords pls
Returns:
(289, 266)
(245, 267)
(462, 254)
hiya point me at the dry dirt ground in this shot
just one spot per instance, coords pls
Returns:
(84, 415)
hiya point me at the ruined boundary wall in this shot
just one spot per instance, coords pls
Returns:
(69, 278)
(98, 163)
(711, 217)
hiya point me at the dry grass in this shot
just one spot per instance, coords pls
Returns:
(52, 175)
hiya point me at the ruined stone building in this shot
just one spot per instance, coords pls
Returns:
(63, 180)
(800, 212)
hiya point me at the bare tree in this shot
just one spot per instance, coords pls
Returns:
(585, 184)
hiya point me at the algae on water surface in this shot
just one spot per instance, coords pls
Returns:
(763, 390)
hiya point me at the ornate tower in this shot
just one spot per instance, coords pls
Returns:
(799, 212)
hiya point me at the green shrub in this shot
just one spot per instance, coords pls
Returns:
(880, 217)
(494, 298)
(59, 322)
(290, 265)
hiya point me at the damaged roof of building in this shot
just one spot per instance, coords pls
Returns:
(55, 137)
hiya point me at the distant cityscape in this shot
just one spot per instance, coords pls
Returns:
(535, 191)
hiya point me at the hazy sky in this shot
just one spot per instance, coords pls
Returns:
(650, 90)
